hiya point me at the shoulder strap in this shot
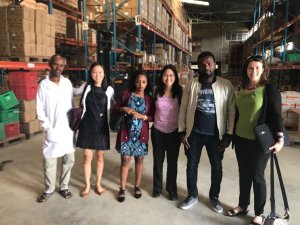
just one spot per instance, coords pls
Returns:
(84, 89)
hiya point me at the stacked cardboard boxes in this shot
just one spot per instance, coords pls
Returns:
(26, 32)
(60, 21)
(29, 124)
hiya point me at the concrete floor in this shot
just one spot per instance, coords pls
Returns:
(21, 182)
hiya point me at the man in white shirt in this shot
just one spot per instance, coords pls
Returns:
(53, 102)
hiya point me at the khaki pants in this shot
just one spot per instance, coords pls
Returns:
(50, 168)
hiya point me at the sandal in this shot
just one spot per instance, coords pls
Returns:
(121, 195)
(66, 193)
(262, 222)
(232, 213)
(44, 197)
(137, 192)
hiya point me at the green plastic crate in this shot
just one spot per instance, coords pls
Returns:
(8, 100)
(2, 132)
(9, 116)
(293, 58)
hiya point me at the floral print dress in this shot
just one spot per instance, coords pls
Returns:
(133, 147)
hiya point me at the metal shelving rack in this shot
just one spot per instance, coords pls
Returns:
(278, 36)
(143, 31)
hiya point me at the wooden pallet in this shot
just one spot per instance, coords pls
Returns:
(30, 135)
(25, 58)
(12, 141)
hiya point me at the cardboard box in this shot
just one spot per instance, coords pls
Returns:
(30, 127)
(3, 19)
(27, 116)
(15, 12)
(21, 37)
(21, 26)
(27, 105)
(22, 50)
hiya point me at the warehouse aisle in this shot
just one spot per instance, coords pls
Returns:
(21, 182)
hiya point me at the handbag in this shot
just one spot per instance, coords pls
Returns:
(116, 121)
(264, 137)
(273, 218)
(75, 115)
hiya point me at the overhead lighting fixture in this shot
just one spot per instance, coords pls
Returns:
(195, 2)
(233, 12)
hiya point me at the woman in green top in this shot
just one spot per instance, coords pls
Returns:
(257, 102)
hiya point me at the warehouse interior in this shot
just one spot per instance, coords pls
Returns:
(125, 36)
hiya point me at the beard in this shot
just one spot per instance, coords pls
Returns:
(206, 73)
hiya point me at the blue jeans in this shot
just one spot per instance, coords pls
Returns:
(193, 154)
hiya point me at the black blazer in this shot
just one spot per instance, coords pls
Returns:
(271, 110)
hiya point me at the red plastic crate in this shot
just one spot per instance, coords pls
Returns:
(12, 130)
(23, 79)
(25, 93)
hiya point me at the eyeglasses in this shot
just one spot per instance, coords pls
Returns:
(255, 57)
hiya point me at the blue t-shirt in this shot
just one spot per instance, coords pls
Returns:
(205, 114)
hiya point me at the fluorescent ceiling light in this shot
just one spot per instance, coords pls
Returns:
(232, 12)
(195, 2)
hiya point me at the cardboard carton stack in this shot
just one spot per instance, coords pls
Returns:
(29, 124)
(26, 32)
(44, 25)
(72, 3)
(60, 21)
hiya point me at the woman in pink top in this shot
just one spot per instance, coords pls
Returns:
(164, 132)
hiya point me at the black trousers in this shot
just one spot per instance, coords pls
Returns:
(193, 154)
(252, 162)
(165, 143)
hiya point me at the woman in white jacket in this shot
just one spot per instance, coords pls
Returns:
(93, 129)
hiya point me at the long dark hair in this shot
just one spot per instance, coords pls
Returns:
(90, 79)
(264, 75)
(133, 78)
(176, 88)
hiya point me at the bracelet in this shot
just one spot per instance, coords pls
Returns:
(280, 135)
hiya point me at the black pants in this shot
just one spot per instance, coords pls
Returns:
(169, 143)
(193, 154)
(252, 162)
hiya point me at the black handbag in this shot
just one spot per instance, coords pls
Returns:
(273, 218)
(116, 121)
(264, 137)
(117, 118)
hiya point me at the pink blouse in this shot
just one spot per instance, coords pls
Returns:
(166, 114)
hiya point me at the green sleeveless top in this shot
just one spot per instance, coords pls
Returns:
(249, 106)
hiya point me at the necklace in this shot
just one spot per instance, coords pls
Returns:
(251, 88)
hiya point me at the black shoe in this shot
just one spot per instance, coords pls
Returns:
(155, 194)
(172, 196)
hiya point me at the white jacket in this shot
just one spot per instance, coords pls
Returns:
(53, 102)
(224, 104)
(109, 93)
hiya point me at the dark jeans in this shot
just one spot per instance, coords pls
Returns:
(169, 143)
(193, 154)
(252, 163)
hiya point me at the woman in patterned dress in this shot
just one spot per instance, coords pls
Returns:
(132, 139)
